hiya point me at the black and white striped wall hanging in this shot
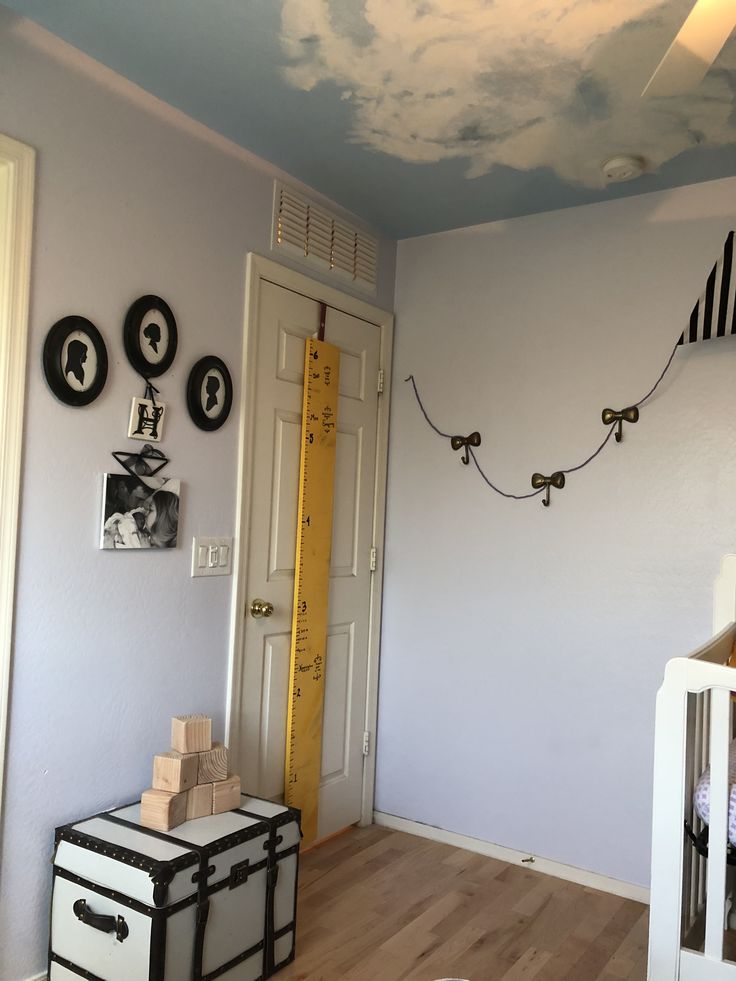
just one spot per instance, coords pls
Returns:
(714, 315)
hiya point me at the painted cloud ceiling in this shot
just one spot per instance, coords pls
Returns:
(421, 115)
(526, 84)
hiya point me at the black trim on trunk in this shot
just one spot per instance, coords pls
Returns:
(122, 899)
(127, 856)
(74, 968)
(203, 912)
(157, 961)
(213, 848)
(294, 850)
(287, 816)
(227, 883)
(234, 963)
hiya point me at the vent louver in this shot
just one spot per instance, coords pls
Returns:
(323, 239)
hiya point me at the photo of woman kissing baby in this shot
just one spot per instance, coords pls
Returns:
(139, 512)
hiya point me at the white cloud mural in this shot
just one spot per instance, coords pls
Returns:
(525, 83)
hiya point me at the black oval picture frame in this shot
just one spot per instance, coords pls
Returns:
(200, 399)
(67, 360)
(142, 339)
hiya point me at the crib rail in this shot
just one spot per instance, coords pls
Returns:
(694, 728)
(698, 739)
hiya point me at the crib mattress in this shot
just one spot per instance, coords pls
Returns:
(701, 797)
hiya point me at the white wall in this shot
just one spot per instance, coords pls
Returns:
(109, 645)
(523, 646)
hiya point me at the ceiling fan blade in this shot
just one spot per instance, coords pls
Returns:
(695, 48)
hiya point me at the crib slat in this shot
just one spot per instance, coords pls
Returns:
(689, 885)
(699, 748)
(697, 895)
(720, 736)
(704, 761)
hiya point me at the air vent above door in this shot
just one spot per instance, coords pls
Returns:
(322, 239)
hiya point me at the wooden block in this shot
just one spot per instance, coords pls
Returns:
(199, 801)
(213, 764)
(191, 733)
(225, 795)
(163, 811)
(175, 772)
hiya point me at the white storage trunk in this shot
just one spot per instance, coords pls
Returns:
(214, 898)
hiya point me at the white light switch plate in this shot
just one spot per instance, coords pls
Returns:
(212, 556)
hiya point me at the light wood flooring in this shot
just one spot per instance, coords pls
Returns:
(379, 905)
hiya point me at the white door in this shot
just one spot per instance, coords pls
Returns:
(285, 319)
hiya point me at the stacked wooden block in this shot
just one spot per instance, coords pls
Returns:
(191, 781)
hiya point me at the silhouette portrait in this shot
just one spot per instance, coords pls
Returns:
(153, 334)
(213, 387)
(76, 355)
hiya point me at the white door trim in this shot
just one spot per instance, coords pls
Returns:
(258, 269)
(17, 167)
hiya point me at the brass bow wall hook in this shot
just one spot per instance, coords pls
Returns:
(458, 442)
(624, 415)
(612, 419)
(557, 480)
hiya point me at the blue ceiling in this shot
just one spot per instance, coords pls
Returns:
(424, 115)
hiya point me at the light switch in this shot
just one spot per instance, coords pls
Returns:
(212, 556)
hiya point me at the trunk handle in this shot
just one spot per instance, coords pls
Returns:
(106, 924)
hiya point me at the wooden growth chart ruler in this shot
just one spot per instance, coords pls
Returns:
(312, 582)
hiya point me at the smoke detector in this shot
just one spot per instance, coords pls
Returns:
(624, 167)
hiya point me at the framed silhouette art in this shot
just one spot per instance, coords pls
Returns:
(75, 361)
(150, 336)
(209, 393)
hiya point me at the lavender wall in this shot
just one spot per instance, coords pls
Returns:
(109, 645)
(523, 646)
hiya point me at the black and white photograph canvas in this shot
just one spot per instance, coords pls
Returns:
(139, 512)
(146, 420)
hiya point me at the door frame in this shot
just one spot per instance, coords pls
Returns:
(17, 170)
(259, 269)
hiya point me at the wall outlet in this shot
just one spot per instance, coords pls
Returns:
(212, 557)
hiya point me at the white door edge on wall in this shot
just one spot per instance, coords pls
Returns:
(260, 269)
(17, 167)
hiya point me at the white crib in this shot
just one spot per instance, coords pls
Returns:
(691, 895)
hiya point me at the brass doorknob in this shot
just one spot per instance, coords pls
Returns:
(261, 608)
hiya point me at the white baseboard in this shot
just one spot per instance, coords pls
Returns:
(557, 869)
(39, 977)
